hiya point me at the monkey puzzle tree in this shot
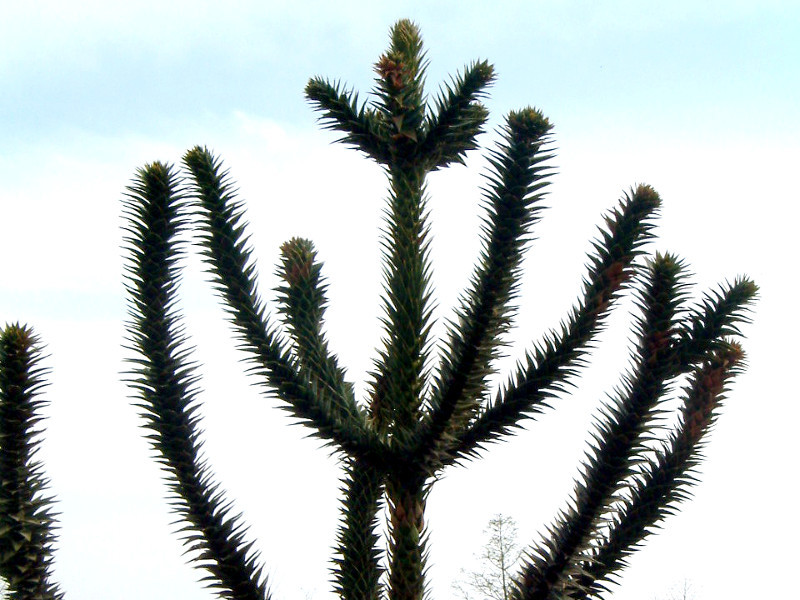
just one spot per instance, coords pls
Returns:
(416, 421)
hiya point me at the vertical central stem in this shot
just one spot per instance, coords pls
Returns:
(406, 544)
(398, 388)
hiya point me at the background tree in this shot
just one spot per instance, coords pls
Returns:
(498, 561)
(422, 413)
(682, 592)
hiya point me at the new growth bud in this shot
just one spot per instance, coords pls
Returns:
(528, 124)
(298, 257)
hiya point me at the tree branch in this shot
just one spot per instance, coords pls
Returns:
(334, 415)
(459, 118)
(667, 478)
(513, 203)
(341, 112)
(548, 367)
(155, 210)
(357, 572)
(26, 519)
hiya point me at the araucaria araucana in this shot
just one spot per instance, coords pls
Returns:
(422, 413)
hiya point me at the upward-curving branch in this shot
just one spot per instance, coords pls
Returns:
(165, 382)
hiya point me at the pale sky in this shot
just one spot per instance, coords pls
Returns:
(697, 99)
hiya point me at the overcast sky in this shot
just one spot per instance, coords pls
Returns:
(697, 99)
